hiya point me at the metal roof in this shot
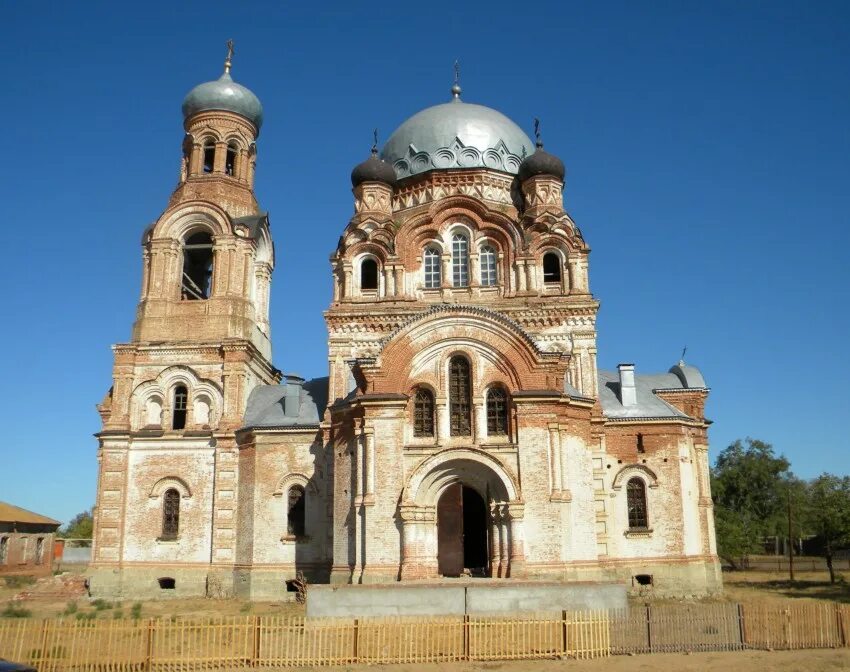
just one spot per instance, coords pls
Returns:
(266, 405)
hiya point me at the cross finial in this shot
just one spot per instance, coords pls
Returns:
(375, 143)
(229, 60)
(682, 358)
(456, 86)
(538, 141)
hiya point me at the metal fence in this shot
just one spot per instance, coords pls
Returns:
(176, 645)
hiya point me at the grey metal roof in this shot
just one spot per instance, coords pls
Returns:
(266, 405)
(224, 94)
(648, 405)
(456, 135)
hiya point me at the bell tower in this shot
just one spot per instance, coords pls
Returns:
(199, 345)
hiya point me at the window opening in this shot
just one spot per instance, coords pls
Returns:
(4, 550)
(497, 412)
(209, 156)
(197, 267)
(551, 267)
(170, 514)
(488, 266)
(636, 499)
(39, 550)
(460, 394)
(295, 511)
(460, 260)
(167, 583)
(230, 160)
(640, 447)
(181, 397)
(423, 413)
(369, 274)
(642, 579)
(433, 278)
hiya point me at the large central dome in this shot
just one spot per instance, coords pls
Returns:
(456, 135)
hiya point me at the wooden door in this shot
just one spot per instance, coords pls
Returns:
(450, 531)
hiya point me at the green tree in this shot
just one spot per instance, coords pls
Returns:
(80, 527)
(749, 486)
(829, 514)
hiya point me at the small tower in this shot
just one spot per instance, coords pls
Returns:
(200, 344)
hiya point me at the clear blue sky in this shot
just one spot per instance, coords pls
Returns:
(707, 152)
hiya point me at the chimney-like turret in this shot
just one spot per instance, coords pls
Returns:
(292, 400)
(628, 393)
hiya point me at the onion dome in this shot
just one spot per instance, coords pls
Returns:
(373, 169)
(541, 162)
(456, 135)
(224, 94)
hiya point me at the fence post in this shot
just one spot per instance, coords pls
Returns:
(564, 632)
(255, 654)
(839, 621)
(355, 638)
(42, 654)
(649, 627)
(149, 644)
(742, 631)
(466, 646)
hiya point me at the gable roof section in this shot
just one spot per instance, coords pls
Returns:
(648, 405)
(15, 514)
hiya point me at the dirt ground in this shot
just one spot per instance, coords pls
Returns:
(761, 661)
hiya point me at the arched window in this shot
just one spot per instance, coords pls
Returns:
(460, 397)
(4, 550)
(423, 413)
(369, 274)
(636, 501)
(460, 260)
(551, 267)
(230, 160)
(431, 268)
(488, 266)
(170, 514)
(497, 411)
(209, 156)
(181, 396)
(197, 267)
(295, 511)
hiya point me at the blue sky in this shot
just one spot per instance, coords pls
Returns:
(707, 152)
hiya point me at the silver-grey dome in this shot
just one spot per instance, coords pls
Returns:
(456, 135)
(224, 94)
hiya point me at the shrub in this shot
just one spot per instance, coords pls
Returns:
(136, 610)
(82, 616)
(13, 610)
(117, 614)
(71, 608)
(100, 604)
(18, 581)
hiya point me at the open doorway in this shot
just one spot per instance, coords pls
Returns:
(462, 532)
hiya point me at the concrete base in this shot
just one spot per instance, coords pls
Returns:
(449, 598)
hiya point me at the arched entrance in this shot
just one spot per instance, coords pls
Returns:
(462, 525)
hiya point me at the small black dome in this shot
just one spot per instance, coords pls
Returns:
(541, 163)
(373, 169)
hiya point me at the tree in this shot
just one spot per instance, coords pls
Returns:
(750, 497)
(80, 527)
(829, 514)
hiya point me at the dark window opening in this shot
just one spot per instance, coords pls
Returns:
(170, 514)
(640, 447)
(230, 161)
(551, 267)
(497, 411)
(292, 585)
(460, 397)
(369, 274)
(423, 413)
(295, 512)
(39, 551)
(636, 501)
(167, 583)
(197, 267)
(209, 156)
(4, 550)
(181, 397)
(642, 579)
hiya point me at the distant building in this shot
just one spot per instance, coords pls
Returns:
(26, 541)
(463, 429)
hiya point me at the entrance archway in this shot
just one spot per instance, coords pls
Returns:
(462, 526)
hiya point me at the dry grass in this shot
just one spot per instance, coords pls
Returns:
(754, 586)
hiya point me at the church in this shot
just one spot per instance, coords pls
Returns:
(463, 429)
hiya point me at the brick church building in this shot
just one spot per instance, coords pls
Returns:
(463, 428)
